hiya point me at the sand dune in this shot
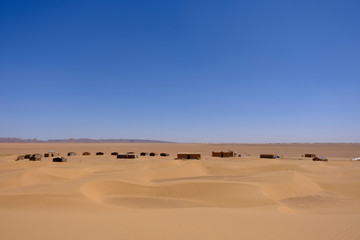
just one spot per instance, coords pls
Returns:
(205, 194)
(159, 197)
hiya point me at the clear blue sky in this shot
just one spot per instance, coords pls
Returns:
(186, 71)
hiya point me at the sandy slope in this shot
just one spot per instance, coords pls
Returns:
(101, 197)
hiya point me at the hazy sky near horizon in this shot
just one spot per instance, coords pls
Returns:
(186, 71)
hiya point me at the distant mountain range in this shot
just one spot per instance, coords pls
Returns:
(78, 140)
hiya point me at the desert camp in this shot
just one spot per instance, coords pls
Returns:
(223, 154)
(189, 155)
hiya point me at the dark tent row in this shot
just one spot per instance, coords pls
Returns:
(88, 153)
(31, 157)
(102, 153)
(132, 155)
(52, 154)
(153, 154)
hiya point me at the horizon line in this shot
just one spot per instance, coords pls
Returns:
(136, 140)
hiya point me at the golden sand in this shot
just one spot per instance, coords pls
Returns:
(101, 197)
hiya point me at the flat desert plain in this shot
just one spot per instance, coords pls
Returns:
(101, 197)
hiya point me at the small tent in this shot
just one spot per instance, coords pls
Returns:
(188, 155)
(35, 157)
(223, 154)
(322, 159)
(127, 155)
(59, 159)
(273, 156)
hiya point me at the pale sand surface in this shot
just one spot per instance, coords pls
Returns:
(101, 197)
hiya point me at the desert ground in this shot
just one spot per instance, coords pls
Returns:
(101, 197)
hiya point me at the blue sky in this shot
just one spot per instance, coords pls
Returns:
(185, 71)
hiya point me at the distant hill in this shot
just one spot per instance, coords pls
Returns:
(78, 140)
